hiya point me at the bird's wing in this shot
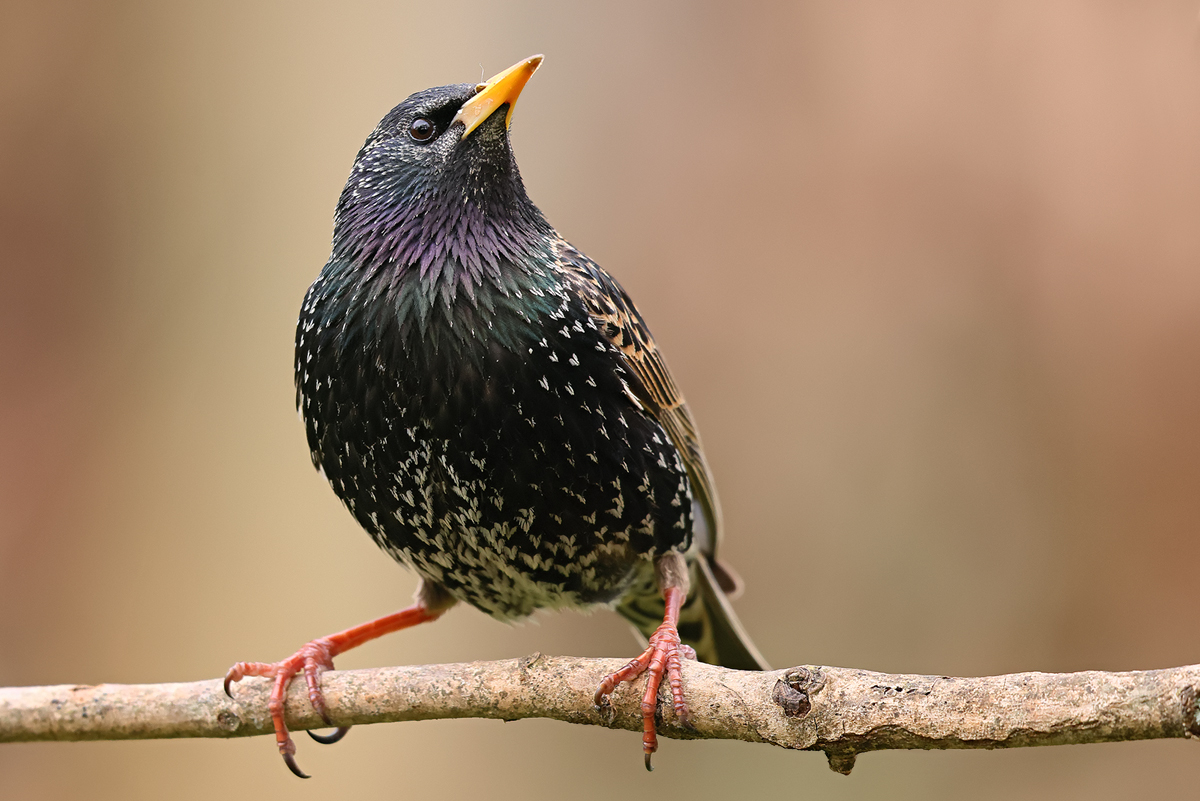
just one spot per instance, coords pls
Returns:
(707, 621)
(651, 385)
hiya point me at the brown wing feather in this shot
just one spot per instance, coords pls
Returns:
(707, 621)
(651, 386)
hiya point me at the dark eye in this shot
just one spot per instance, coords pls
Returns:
(421, 129)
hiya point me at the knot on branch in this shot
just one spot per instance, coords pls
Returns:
(841, 760)
(794, 691)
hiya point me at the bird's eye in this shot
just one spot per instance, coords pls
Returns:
(421, 129)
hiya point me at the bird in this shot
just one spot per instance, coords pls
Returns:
(490, 406)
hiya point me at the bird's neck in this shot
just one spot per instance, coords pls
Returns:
(390, 219)
(438, 268)
(450, 280)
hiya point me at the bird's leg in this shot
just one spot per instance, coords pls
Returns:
(315, 657)
(662, 657)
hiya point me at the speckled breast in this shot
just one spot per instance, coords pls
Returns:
(515, 470)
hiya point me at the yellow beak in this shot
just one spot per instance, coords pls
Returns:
(500, 89)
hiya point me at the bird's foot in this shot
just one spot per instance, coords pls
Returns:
(662, 657)
(317, 656)
(313, 659)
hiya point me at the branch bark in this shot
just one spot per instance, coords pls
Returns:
(840, 711)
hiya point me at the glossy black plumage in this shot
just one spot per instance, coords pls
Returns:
(486, 400)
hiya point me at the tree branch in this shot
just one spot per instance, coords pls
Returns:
(840, 711)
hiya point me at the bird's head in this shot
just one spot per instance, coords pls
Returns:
(436, 182)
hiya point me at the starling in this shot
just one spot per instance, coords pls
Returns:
(490, 406)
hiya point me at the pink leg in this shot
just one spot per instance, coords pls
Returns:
(316, 657)
(661, 658)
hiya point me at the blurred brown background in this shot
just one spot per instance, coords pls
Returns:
(928, 274)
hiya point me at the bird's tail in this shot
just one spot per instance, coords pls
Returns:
(706, 622)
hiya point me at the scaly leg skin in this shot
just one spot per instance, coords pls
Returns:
(661, 657)
(317, 656)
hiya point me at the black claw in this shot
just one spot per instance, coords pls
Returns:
(649, 767)
(293, 767)
(605, 708)
(227, 690)
(330, 739)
